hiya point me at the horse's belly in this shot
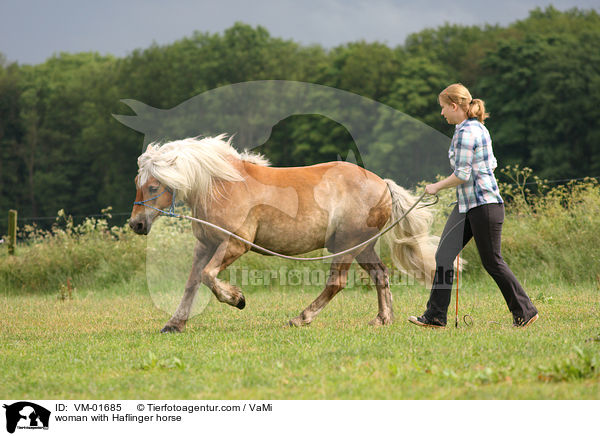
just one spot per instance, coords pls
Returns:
(297, 247)
(292, 237)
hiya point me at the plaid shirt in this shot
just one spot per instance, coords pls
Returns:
(472, 159)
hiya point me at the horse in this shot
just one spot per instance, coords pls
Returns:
(289, 210)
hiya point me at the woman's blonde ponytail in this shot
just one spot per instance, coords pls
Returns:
(476, 109)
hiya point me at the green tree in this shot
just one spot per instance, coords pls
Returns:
(541, 90)
(10, 129)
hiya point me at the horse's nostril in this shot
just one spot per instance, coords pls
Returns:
(137, 226)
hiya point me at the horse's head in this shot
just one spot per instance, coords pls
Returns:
(149, 197)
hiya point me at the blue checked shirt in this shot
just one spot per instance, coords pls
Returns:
(472, 159)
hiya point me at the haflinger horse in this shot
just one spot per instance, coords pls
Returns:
(334, 205)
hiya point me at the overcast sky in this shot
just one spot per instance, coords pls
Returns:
(31, 31)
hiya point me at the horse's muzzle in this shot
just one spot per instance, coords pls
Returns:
(139, 226)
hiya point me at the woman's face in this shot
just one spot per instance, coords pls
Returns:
(452, 112)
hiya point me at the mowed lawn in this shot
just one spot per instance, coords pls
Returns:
(105, 344)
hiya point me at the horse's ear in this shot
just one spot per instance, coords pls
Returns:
(5, 406)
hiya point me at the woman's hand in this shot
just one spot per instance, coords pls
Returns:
(432, 189)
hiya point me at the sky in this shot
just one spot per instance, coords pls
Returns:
(31, 31)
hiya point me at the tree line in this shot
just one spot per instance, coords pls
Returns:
(60, 147)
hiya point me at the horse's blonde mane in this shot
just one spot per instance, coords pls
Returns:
(191, 166)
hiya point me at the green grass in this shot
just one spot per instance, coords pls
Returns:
(106, 345)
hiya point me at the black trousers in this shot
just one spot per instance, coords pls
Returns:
(484, 223)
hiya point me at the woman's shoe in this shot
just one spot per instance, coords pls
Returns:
(522, 322)
(421, 321)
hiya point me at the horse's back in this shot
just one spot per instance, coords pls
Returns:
(310, 176)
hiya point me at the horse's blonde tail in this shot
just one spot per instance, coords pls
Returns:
(412, 247)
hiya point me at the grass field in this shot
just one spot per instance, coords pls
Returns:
(105, 344)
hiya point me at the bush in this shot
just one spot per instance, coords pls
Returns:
(91, 254)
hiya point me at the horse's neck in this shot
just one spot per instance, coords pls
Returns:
(221, 190)
(200, 210)
(197, 210)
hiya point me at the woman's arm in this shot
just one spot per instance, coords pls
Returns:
(448, 182)
(464, 152)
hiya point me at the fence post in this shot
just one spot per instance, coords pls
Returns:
(12, 231)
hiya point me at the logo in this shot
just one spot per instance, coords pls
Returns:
(26, 415)
(377, 137)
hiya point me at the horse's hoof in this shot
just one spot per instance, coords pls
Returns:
(297, 322)
(376, 322)
(241, 304)
(380, 321)
(170, 329)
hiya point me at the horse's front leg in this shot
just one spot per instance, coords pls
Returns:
(225, 254)
(202, 254)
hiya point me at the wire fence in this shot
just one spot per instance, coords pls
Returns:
(94, 215)
(117, 214)
(555, 181)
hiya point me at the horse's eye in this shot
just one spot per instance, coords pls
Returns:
(152, 189)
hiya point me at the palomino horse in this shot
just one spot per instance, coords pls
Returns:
(334, 205)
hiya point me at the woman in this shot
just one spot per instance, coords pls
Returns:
(479, 212)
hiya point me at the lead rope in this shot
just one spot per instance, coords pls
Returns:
(171, 213)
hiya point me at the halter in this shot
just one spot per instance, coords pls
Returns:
(169, 212)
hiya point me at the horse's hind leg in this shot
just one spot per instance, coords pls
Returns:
(177, 322)
(338, 276)
(226, 253)
(370, 262)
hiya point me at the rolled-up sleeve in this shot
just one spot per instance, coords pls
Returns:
(463, 154)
